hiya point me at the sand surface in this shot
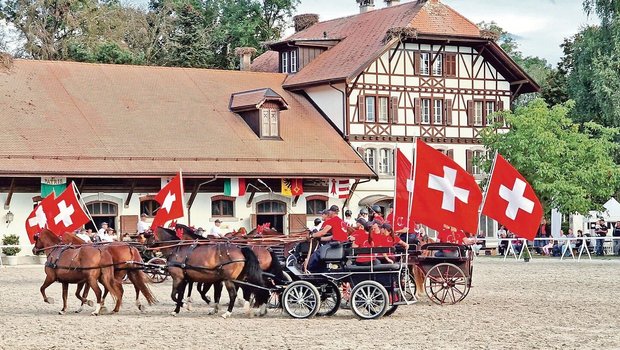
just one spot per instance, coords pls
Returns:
(544, 304)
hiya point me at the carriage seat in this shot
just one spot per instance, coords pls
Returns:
(367, 268)
(333, 251)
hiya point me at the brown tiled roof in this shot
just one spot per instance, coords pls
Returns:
(80, 119)
(253, 99)
(267, 62)
(362, 39)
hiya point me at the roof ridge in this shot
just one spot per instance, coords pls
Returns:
(458, 14)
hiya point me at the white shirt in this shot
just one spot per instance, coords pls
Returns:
(105, 237)
(143, 226)
(215, 231)
(350, 222)
(83, 237)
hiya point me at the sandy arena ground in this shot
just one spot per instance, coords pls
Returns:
(544, 304)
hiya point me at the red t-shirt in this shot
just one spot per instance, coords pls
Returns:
(359, 237)
(392, 241)
(337, 229)
(378, 219)
(447, 236)
(380, 240)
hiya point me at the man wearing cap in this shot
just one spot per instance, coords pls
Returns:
(348, 218)
(215, 230)
(102, 234)
(81, 234)
(143, 226)
(334, 225)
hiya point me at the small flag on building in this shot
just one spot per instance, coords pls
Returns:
(52, 185)
(292, 187)
(338, 188)
(234, 187)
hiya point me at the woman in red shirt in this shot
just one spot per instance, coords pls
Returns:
(362, 239)
(391, 240)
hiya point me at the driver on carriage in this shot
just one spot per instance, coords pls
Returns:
(334, 225)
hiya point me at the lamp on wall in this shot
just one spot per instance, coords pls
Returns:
(9, 217)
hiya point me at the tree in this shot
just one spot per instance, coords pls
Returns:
(570, 166)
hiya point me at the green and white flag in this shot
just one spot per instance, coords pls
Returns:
(234, 187)
(52, 184)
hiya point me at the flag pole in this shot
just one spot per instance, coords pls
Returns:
(412, 177)
(183, 195)
(84, 204)
(394, 201)
(486, 189)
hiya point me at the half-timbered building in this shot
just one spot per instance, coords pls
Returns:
(384, 77)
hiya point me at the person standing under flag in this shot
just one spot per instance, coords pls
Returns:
(511, 200)
(443, 192)
(171, 200)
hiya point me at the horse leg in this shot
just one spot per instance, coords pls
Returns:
(419, 281)
(180, 294)
(232, 294)
(92, 283)
(134, 280)
(85, 295)
(78, 294)
(49, 279)
(247, 304)
(188, 300)
(65, 290)
(203, 288)
(217, 293)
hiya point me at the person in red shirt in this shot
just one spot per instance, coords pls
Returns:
(363, 240)
(377, 214)
(338, 229)
(391, 240)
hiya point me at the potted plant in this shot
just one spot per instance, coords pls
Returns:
(526, 254)
(10, 252)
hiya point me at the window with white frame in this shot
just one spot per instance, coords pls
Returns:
(269, 123)
(438, 65)
(383, 109)
(370, 155)
(284, 61)
(489, 110)
(386, 158)
(476, 165)
(370, 109)
(438, 112)
(425, 111)
(425, 62)
(478, 113)
(293, 61)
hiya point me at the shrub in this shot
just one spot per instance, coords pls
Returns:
(11, 240)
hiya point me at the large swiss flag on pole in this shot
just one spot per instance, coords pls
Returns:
(511, 200)
(443, 192)
(404, 188)
(66, 213)
(38, 220)
(171, 200)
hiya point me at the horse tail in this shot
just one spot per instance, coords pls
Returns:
(108, 279)
(254, 275)
(141, 281)
(275, 268)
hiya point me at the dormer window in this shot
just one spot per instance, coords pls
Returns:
(260, 109)
(288, 61)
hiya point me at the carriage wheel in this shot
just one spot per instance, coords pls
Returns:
(301, 299)
(446, 284)
(274, 298)
(369, 300)
(330, 299)
(156, 274)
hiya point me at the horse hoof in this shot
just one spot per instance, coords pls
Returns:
(90, 303)
(79, 310)
(226, 314)
(141, 308)
(61, 312)
(173, 314)
(49, 300)
(103, 309)
(94, 314)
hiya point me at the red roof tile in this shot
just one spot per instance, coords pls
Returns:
(253, 99)
(82, 119)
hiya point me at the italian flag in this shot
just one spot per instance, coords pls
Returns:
(234, 187)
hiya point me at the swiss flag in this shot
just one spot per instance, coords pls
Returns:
(402, 198)
(171, 200)
(443, 193)
(511, 200)
(38, 220)
(66, 213)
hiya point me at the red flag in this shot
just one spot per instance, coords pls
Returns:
(66, 213)
(404, 188)
(443, 193)
(171, 200)
(511, 200)
(38, 220)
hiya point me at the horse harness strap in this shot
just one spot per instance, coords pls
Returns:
(62, 249)
(185, 266)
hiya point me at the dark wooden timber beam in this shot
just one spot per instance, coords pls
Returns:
(130, 194)
(192, 197)
(249, 202)
(7, 202)
(353, 187)
(295, 201)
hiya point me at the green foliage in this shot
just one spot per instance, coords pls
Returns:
(570, 166)
(11, 240)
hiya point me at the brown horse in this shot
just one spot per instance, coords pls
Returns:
(127, 262)
(418, 273)
(213, 263)
(70, 264)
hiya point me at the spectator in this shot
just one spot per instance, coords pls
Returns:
(572, 242)
(558, 249)
(517, 244)
(502, 247)
(600, 229)
(215, 230)
(143, 226)
(348, 219)
(317, 225)
(81, 234)
(540, 234)
(126, 237)
(478, 243)
(104, 228)
(547, 247)
(616, 235)
(112, 234)
(579, 240)
(201, 232)
(363, 214)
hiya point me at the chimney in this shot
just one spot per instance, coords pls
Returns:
(389, 3)
(366, 5)
(245, 57)
(305, 21)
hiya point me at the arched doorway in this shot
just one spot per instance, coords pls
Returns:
(378, 199)
(102, 211)
(273, 212)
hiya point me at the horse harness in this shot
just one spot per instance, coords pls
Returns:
(186, 266)
(54, 264)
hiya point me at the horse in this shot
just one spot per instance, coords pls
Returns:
(70, 264)
(127, 262)
(221, 262)
(418, 273)
(267, 259)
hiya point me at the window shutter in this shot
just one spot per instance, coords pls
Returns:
(500, 108)
(394, 109)
(361, 108)
(416, 63)
(450, 65)
(417, 110)
(450, 153)
(469, 160)
(470, 113)
(448, 112)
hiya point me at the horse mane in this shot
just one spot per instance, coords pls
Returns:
(188, 231)
(166, 234)
(71, 238)
(52, 235)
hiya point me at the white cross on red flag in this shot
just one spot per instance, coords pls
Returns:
(443, 192)
(171, 200)
(66, 213)
(38, 220)
(511, 200)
